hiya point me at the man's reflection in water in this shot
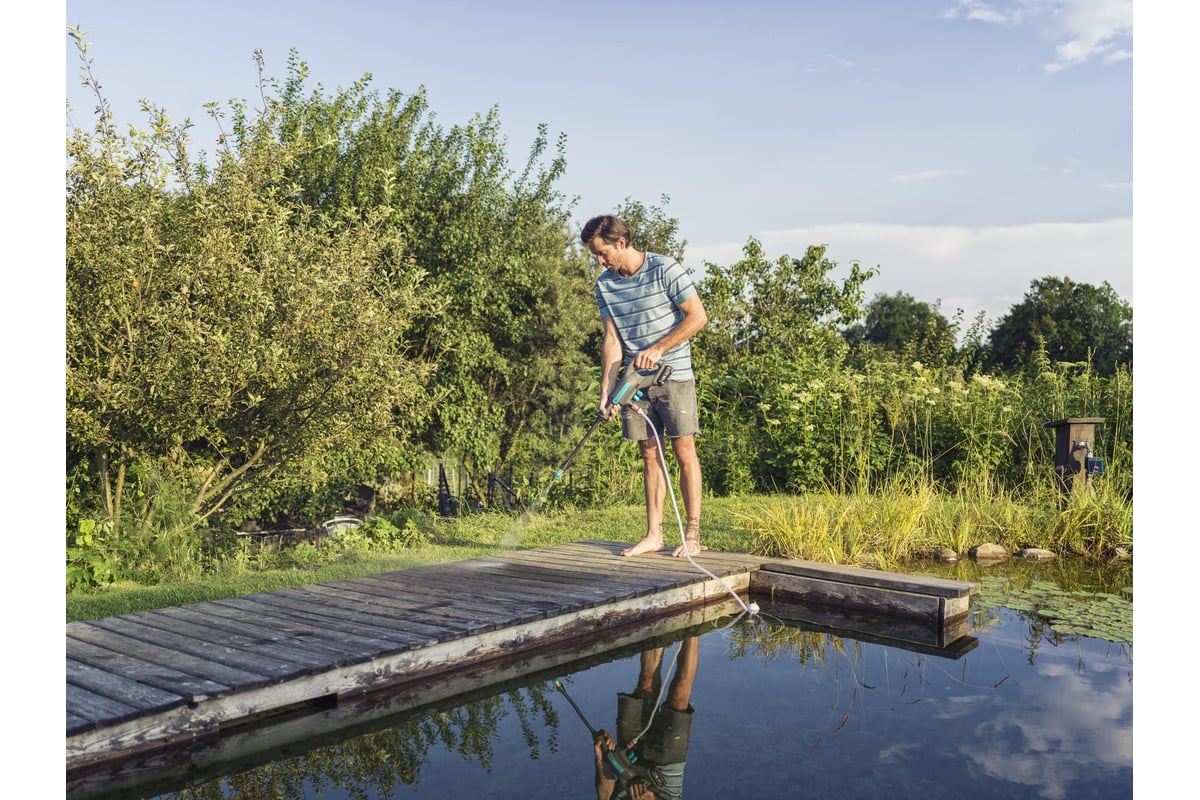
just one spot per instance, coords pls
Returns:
(660, 734)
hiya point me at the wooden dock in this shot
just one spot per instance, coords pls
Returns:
(150, 681)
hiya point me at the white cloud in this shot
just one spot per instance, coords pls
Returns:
(985, 269)
(982, 12)
(1083, 29)
(926, 175)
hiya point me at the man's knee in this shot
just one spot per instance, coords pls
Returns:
(684, 447)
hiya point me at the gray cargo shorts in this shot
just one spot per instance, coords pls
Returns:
(670, 407)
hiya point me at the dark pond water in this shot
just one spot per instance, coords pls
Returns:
(1039, 704)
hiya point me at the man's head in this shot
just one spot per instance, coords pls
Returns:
(607, 238)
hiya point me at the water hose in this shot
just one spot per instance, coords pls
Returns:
(752, 608)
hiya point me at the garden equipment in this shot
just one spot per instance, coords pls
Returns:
(631, 388)
(623, 761)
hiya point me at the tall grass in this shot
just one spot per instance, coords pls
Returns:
(909, 518)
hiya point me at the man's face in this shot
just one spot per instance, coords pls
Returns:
(610, 256)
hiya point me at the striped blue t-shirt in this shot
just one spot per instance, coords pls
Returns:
(645, 307)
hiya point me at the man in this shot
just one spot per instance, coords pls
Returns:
(650, 310)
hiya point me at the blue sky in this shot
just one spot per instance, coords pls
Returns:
(963, 147)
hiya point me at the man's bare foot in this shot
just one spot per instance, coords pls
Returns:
(650, 544)
(691, 542)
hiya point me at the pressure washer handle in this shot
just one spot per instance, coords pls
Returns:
(562, 469)
(634, 383)
(558, 685)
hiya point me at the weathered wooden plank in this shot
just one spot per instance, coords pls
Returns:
(147, 672)
(784, 585)
(340, 642)
(409, 628)
(605, 559)
(648, 569)
(439, 598)
(388, 632)
(918, 636)
(482, 586)
(543, 636)
(77, 724)
(241, 749)
(453, 614)
(304, 643)
(96, 707)
(237, 654)
(506, 589)
(146, 699)
(711, 560)
(370, 607)
(461, 598)
(584, 586)
(940, 587)
(165, 657)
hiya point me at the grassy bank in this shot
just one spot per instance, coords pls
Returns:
(882, 530)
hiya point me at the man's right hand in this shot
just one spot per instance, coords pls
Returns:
(608, 410)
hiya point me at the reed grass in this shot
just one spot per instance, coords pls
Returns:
(881, 529)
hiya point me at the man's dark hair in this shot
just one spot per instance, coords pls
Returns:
(607, 227)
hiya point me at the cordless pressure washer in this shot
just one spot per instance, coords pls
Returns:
(623, 761)
(631, 388)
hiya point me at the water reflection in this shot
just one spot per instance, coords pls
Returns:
(647, 757)
(1065, 723)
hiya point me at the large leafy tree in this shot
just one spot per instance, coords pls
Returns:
(774, 328)
(223, 337)
(1067, 321)
(387, 286)
(496, 246)
(903, 325)
(789, 308)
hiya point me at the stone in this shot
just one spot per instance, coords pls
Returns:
(1035, 554)
(988, 552)
(945, 554)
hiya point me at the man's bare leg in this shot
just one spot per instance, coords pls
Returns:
(650, 674)
(656, 491)
(691, 487)
(679, 695)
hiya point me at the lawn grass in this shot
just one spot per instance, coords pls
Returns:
(880, 530)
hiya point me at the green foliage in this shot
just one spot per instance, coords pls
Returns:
(1066, 612)
(220, 334)
(387, 532)
(347, 288)
(90, 561)
(905, 327)
(651, 229)
(1068, 322)
(494, 244)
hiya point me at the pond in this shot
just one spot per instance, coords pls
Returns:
(1035, 701)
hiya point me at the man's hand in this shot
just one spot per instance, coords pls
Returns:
(639, 790)
(608, 410)
(648, 358)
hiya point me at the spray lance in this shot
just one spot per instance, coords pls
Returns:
(631, 388)
(624, 762)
